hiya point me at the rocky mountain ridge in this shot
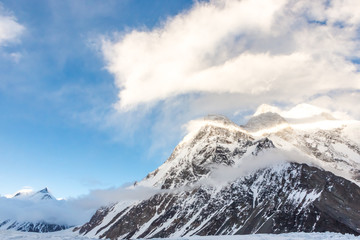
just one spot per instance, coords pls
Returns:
(273, 175)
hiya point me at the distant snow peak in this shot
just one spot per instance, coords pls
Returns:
(30, 211)
(30, 194)
(45, 190)
(43, 194)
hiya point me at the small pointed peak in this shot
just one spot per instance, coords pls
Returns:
(43, 194)
(45, 190)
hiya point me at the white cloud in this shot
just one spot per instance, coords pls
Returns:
(103, 197)
(10, 29)
(278, 50)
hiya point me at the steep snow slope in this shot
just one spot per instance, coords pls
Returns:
(276, 174)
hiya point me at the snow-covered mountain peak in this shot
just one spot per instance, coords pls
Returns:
(30, 194)
(216, 141)
(265, 121)
(43, 194)
(273, 174)
(265, 108)
(197, 127)
(212, 140)
(211, 120)
(35, 211)
(45, 190)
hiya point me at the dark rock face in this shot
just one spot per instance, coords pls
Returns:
(288, 198)
(95, 220)
(262, 144)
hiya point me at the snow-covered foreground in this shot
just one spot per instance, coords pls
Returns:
(60, 235)
(69, 235)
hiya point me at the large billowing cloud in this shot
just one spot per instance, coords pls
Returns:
(277, 50)
(10, 29)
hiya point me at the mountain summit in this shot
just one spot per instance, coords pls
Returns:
(278, 173)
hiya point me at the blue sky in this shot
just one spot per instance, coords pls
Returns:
(95, 94)
(47, 95)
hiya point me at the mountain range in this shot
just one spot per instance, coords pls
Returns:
(281, 172)
(293, 171)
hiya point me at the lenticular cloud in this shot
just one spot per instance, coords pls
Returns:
(279, 50)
